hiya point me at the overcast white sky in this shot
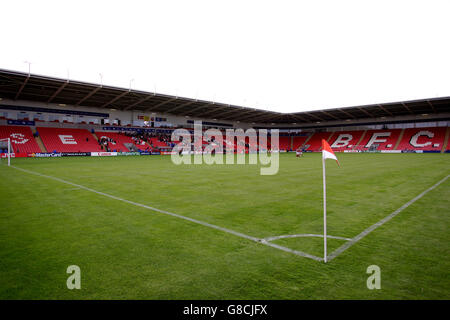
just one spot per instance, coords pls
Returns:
(277, 55)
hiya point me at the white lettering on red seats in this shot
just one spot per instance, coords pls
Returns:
(342, 140)
(415, 137)
(375, 136)
(67, 139)
(18, 138)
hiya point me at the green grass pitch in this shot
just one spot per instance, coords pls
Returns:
(129, 252)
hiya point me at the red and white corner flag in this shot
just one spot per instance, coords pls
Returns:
(327, 153)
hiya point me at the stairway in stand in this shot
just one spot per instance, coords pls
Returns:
(39, 141)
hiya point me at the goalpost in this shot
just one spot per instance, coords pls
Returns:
(6, 144)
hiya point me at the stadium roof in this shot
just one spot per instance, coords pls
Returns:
(18, 85)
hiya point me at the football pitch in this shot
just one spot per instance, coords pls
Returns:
(140, 227)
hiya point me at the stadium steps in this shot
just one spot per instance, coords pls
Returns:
(39, 140)
(362, 137)
(40, 144)
(95, 136)
(307, 139)
(445, 144)
(400, 137)
(329, 138)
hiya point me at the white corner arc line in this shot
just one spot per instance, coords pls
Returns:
(206, 224)
(347, 245)
(305, 235)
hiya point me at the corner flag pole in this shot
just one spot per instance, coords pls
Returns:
(324, 213)
(9, 152)
(327, 153)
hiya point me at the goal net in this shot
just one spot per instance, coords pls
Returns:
(6, 149)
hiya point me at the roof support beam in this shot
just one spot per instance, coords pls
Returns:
(407, 108)
(260, 116)
(138, 102)
(203, 106)
(181, 106)
(266, 116)
(236, 115)
(239, 114)
(115, 99)
(58, 91)
(214, 109)
(90, 94)
(22, 86)
(384, 109)
(314, 116)
(329, 114)
(208, 113)
(161, 104)
(431, 105)
(233, 111)
(298, 117)
(349, 114)
(198, 108)
(366, 112)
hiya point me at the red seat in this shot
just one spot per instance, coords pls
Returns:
(22, 139)
(285, 143)
(429, 139)
(345, 140)
(315, 142)
(156, 143)
(68, 140)
(385, 139)
(298, 142)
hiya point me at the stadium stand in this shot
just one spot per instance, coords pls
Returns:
(299, 141)
(446, 147)
(384, 139)
(285, 143)
(345, 140)
(22, 139)
(315, 142)
(427, 139)
(68, 140)
(157, 143)
(121, 141)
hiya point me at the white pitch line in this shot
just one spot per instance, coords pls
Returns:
(347, 245)
(305, 235)
(299, 253)
(242, 235)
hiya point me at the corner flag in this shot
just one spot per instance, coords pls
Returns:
(327, 153)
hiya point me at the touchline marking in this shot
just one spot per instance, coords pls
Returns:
(347, 245)
(206, 224)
